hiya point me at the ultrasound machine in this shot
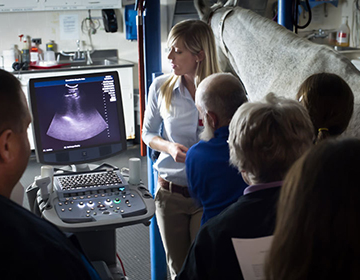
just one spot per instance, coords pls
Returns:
(77, 120)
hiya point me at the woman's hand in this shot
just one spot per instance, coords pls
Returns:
(178, 152)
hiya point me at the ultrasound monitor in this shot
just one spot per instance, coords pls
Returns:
(77, 118)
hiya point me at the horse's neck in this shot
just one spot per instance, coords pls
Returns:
(267, 58)
(262, 52)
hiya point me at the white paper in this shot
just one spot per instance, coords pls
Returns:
(251, 254)
(69, 27)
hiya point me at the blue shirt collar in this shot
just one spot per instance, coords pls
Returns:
(222, 132)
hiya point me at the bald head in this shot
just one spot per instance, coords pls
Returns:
(221, 94)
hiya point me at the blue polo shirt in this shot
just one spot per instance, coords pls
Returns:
(211, 180)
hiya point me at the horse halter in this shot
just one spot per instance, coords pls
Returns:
(221, 27)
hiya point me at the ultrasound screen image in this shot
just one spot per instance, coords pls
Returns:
(75, 119)
(77, 113)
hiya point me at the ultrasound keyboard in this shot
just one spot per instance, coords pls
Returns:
(89, 180)
(97, 195)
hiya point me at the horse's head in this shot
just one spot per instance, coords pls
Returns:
(206, 13)
(204, 10)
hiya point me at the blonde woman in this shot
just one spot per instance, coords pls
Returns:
(192, 54)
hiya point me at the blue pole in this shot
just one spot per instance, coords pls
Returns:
(157, 253)
(152, 53)
(285, 14)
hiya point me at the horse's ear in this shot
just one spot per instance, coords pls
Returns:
(203, 9)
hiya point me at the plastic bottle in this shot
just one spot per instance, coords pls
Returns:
(34, 53)
(51, 46)
(25, 53)
(343, 33)
(49, 54)
(17, 53)
(49, 57)
(40, 51)
(8, 59)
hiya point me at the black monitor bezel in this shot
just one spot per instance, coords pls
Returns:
(36, 130)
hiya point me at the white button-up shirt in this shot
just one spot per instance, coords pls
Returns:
(181, 125)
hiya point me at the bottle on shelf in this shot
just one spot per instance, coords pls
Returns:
(25, 52)
(35, 51)
(8, 58)
(49, 54)
(343, 33)
(51, 46)
(17, 53)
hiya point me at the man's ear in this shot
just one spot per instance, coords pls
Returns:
(6, 145)
(200, 56)
(213, 119)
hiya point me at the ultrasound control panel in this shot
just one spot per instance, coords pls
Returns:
(98, 195)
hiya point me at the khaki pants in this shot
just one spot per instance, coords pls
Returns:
(179, 221)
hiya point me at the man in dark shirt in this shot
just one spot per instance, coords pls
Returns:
(30, 246)
(265, 139)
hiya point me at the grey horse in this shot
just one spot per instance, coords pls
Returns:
(269, 58)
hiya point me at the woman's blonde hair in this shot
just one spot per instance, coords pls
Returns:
(267, 137)
(197, 36)
(330, 103)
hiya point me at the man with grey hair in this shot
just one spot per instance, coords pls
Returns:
(265, 139)
(212, 181)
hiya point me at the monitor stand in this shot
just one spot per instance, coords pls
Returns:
(83, 167)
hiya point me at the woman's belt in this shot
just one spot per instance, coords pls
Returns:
(171, 187)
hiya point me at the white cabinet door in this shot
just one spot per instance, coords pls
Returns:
(61, 4)
(126, 86)
(43, 5)
(96, 4)
(18, 5)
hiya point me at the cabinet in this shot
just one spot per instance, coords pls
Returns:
(49, 5)
(18, 5)
(127, 93)
(61, 4)
(103, 4)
